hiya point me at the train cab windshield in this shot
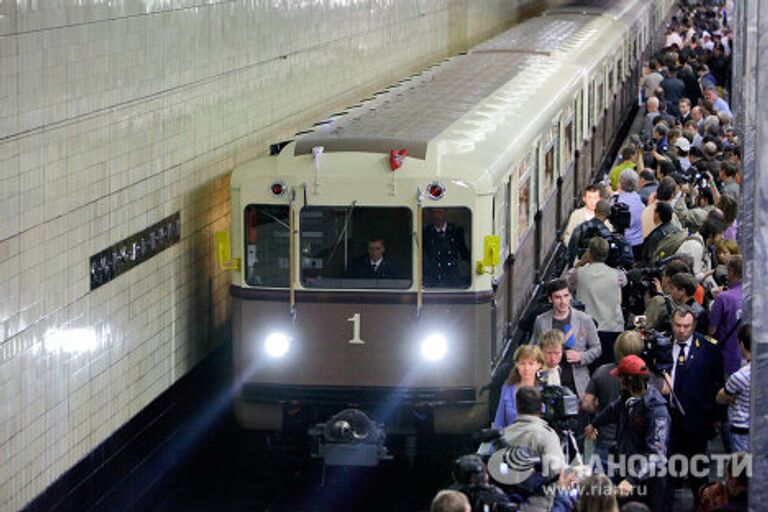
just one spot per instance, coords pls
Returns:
(356, 247)
(266, 245)
(446, 241)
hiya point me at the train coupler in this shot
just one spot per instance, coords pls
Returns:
(349, 438)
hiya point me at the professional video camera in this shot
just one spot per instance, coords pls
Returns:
(620, 216)
(657, 352)
(561, 408)
(639, 282)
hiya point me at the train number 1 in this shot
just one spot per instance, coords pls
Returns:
(355, 319)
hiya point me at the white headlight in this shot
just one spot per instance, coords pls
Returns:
(434, 347)
(277, 344)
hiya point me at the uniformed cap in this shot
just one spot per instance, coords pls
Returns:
(630, 365)
(511, 466)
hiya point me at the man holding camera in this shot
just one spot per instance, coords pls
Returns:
(471, 478)
(643, 425)
(596, 226)
(531, 432)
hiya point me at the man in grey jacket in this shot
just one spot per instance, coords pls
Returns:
(582, 346)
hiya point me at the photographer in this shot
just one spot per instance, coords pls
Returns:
(658, 310)
(598, 287)
(596, 226)
(662, 217)
(694, 199)
(642, 428)
(629, 196)
(471, 478)
(682, 287)
(530, 431)
(664, 194)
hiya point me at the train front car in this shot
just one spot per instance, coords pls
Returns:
(370, 304)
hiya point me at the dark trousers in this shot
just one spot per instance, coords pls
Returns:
(687, 444)
(652, 492)
(607, 341)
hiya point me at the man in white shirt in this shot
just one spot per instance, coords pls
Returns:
(590, 198)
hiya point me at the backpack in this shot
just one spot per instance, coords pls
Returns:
(671, 243)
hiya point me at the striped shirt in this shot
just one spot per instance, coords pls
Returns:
(738, 386)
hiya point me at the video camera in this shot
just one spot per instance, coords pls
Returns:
(657, 350)
(560, 408)
(620, 216)
(639, 282)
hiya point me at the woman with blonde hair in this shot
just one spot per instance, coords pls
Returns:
(528, 361)
(597, 494)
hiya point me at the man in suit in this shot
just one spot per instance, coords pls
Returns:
(373, 265)
(582, 346)
(446, 256)
(691, 389)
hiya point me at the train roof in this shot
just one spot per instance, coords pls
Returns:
(538, 35)
(483, 109)
(420, 109)
(414, 113)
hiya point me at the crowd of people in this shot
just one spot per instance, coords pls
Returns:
(645, 322)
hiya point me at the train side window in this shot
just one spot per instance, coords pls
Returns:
(524, 195)
(356, 247)
(550, 162)
(266, 245)
(578, 119)
(446, 241)
(568, 141)
(523, 207)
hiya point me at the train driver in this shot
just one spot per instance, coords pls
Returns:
(374, 265)
(446, 256)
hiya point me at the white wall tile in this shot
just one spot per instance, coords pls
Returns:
(116, 114)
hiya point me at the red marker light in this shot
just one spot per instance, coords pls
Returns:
(435, 191)
(278, 189)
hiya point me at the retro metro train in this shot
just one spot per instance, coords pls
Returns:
(493, 146)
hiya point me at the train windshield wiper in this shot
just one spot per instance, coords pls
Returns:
(342, 235)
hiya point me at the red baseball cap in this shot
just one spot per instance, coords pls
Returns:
(630, 365)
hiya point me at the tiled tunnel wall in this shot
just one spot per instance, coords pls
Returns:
(115, 115)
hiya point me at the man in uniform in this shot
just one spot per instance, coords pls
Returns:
(374, 265)
(691, 389)
(444, 253)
